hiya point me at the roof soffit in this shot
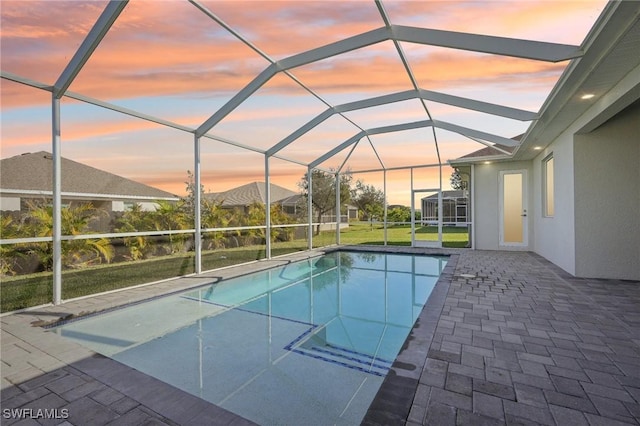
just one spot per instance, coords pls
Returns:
(605, 63)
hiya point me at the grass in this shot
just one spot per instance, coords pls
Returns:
(362, 233)
(36, 289)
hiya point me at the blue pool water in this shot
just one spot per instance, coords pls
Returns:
(306, 343)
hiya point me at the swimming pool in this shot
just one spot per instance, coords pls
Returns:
(308, 342)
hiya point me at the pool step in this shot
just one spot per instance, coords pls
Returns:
(317, 348)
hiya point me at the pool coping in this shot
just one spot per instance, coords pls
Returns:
(394, 399)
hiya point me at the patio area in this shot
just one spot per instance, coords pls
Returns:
(506, 338)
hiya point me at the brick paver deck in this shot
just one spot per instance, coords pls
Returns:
(506, 338)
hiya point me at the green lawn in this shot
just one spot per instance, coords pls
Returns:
(36, 289)
(362, 233)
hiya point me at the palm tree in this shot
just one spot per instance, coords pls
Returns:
(76, 220)
(214, 216)
(256, 216)
(9, 252)
(171, 216)
(279, 217)
(135, 220)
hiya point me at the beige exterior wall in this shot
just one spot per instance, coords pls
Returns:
(10, 204)
(487, 204)
(607, 198)
(568, 239)
(555, 236)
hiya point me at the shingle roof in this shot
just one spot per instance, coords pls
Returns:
(489, 151)
(250, 193)
(34, 172)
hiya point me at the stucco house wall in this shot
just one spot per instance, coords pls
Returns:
(555, 236)
(486, 204)
(607, 198)
(596, 174)
(9, 204)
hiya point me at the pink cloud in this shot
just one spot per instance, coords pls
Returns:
(186, 53)
(169, 48)
(560, 22)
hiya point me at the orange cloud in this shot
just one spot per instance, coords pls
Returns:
(188, 53)
(285, 28)
(15, 134)
(221, 180)
(565, 21)
(169, 48)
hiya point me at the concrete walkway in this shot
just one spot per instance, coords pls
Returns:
(506, 338)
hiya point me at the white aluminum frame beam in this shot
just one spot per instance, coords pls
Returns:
(443, 98)
(88, 46)
(79, 59)
(351, 106)
(309, 125)
(388, 169)
(410, 74)
(503, 46)
(272, 62)
(465, 131)
(479, 106)
(374, 131)
(542, 51)
(237, 99)
(336, 48)
(89, 100)
(337, 208)
(355, 145)
(310, 207)
(197, 208)
(375, 151)
(26, 81)
(472, 133)
(267, 207)
(56, 233)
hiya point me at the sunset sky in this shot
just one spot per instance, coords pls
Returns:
(168, 59)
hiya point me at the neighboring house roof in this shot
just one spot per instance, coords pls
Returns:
(291, 201)
(33, 173)
(254, 192)
(490, 151)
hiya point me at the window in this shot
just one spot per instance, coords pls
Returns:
(547, 186)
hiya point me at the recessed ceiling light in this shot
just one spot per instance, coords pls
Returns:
(537, 148)
(487, 162)
(587, 96)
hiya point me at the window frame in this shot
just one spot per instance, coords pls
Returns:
(548, 186)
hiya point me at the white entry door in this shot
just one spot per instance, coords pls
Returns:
(513, 208)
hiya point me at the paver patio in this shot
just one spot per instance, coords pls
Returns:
(506, 338)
